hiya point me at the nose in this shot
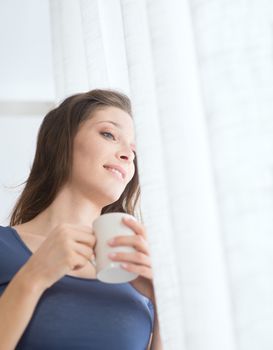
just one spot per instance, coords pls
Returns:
(127, 154)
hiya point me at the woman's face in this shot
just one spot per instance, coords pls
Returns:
(99, 143)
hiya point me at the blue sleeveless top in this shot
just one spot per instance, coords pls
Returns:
(78, 313)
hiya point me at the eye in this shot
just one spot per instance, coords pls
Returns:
(109, 133)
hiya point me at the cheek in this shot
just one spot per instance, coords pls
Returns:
(84, 155)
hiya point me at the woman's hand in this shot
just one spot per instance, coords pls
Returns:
(67, 247)
(138, 262)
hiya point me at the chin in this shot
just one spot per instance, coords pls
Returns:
(111, 196)
(113, 199)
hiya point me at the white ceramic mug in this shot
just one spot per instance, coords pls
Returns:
(105, 227)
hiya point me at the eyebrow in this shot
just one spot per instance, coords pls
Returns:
(117, 125)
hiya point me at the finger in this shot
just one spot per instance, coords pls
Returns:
(76, 233)
(77, 261)
(136, 226)
(84, 237)
(83, 250)
(138, 269)
(136, 257)
(138, 242)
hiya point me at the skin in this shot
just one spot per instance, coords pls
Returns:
(91, 187)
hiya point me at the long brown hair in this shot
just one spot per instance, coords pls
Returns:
(52, 163)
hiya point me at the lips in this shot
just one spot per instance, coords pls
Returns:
(118, 168)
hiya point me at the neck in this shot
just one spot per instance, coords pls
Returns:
(69, 206)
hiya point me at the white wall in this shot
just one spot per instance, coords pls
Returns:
(26, 90)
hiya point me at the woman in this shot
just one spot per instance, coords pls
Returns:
(50, 297)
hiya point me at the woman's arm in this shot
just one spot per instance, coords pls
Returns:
(17, 304)
(156, 340)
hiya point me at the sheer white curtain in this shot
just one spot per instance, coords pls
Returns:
(199, 74)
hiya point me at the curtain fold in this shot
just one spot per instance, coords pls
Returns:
(234, 47)
(69, 59)
(192, 283)
(199, 74)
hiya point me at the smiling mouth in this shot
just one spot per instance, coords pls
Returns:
(115, 173)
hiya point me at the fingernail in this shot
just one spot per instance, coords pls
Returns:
(111, 255)
(127, 219)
